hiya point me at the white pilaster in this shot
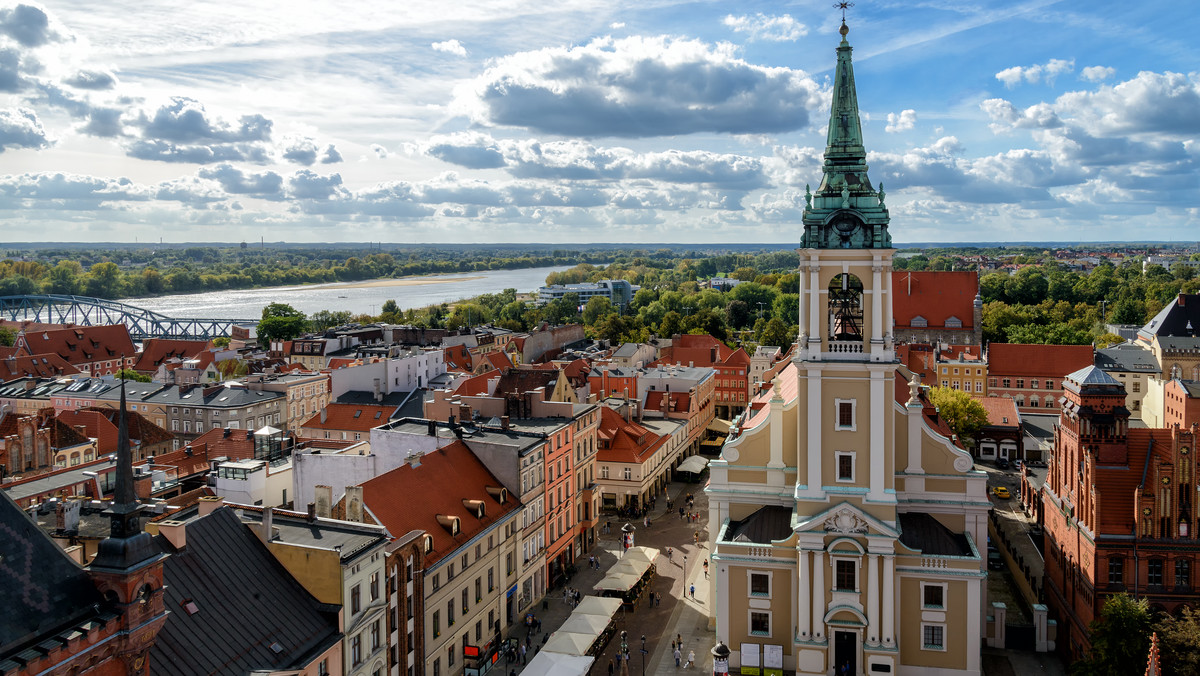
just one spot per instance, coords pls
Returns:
(813, 452)
(805, 609)
(974, 626)
(879, 405)
(877, 302)
(889, 600)
(889, 328)
(818, 604)
(872, 637)
(804, 300)
(776, 428)
(915, 423)
(814, 307)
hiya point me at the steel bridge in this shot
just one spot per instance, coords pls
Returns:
(87, 311)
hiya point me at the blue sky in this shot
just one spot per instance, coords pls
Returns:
(590, 120)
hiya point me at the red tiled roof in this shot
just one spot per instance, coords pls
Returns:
(82, 344)
(1117, 486)
(498, 360)
(157, 350)
(698, 350)
(239, 445)
(46, 365)
(1047, 361)
(411, 498)
(737, 358)
(95, 426)
(676, 401)
(936, 296)
(457, 358)
(474, 386)
(625, 441)
(1000, 409)
(350, 417)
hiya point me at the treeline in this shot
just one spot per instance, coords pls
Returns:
(1049, 304)
(125, 274)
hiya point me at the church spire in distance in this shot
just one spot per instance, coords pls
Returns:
(846, 211)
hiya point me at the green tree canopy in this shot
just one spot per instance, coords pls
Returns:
(964, 415)
(1179, 642)
(281, 321)
(1120, 639)
(130, 374)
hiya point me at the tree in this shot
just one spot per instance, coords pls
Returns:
(325, 319)
(964, 415)
(597, 308)
(1179, 642)
(775, 332)
(672, 324)
(1128, 311)
(222, 341)
(104, 281)
(281, 322)
(7, 337)
(130, 374)
(1120, 639)
(738, 313)
(64, 278)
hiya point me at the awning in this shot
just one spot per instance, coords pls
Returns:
(621, 582)
(598, 605)
(719, 425)
(648, 554)
(588, 625)
(557, 664)
(569, 644)
(694, 464)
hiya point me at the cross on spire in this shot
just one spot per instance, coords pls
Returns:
(843, 6)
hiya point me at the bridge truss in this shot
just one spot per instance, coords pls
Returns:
(87, 311)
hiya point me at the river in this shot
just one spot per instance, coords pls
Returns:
(358, 297)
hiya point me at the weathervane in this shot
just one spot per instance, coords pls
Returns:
(843, 6)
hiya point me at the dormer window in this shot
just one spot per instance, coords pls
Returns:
(954, 323)
(428, 544)
(919, 322)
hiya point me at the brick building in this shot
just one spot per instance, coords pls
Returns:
(1032, 374)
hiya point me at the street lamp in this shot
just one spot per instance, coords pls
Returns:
(643, 655)
(720, 653)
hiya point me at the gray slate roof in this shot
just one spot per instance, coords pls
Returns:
(246, 602)
(42, 591)
(764, 526)
(1129, 357)
(927, 535)
(1093, 375)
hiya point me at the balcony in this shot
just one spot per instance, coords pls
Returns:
(843, 350)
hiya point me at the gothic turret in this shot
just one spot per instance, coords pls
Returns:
(126, 546)
(846, 212)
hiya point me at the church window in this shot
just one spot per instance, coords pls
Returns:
(760, 584)
(845, 465)
(760, 623)
(846, 575)
(933, 636)
(845, 414)
(933, 595)
(845, 307)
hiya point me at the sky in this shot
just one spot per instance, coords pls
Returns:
(579, 121)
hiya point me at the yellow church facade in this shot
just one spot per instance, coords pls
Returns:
(848, 528)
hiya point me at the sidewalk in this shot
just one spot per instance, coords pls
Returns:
(676, 615)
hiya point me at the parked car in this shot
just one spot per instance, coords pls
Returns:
(1017, 464)
(1002, 463)
(1001, 492)
(994, 560)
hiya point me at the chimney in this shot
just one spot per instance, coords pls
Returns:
(413, 459)
(324, 414)
(312, 512)
(433, 428)
(504, 422)
(378, 393)
(324, 499)
(268, 523)
(175, 532)
(209, 504)
(354, 504)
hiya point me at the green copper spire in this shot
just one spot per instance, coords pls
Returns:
(846, 212)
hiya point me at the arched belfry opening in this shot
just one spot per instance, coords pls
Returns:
(845, 308)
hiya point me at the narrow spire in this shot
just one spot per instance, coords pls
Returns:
(124, 493)
(844, 151)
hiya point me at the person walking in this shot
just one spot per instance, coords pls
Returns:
(611, 667)
(678, 655)
(693, 592)
(691, 658)
(524, 660)
(705, 569)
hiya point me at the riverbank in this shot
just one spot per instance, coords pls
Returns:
(401, 281)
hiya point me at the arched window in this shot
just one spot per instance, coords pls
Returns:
(845, 307)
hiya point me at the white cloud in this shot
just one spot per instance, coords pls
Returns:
(616, 25)
(267, 184)
(380, 152)
(1097, 73)
(21, 128)
(905, 121)
(782, 28)
(450, 47)
(639, 87)
(1048, 72)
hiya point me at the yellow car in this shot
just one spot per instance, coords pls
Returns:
(1001, 492)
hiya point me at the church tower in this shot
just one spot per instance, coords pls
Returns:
(844, 515)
